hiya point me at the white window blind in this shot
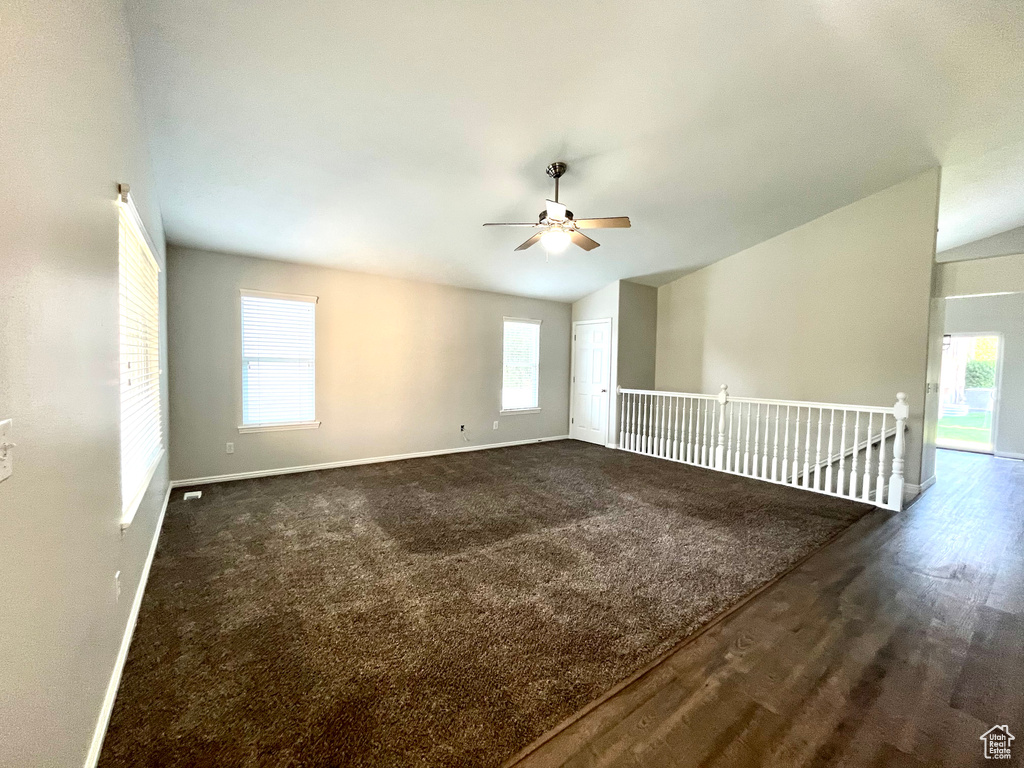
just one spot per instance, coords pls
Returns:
(139, 300)
(521, 365)
(278, 359)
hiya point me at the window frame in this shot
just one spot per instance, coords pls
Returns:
(540, 328)
(129, 213)
(279, 426)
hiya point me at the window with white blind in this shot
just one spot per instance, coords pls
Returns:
(139, 324)
(278, 361)
(520, 383)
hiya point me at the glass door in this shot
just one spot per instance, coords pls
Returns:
(969, 396)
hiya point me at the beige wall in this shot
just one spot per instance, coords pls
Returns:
(1003, 244)
(71, 132)
(1003, 315)
(638, 328)
(998, 274)
(400, 366)
(836, 310)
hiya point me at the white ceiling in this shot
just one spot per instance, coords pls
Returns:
(378, 136)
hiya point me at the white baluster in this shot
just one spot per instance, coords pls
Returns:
(643, 423)
(709, 432)
(637, 419)
(633, 427)
(622, 420)
(775, 449)
(698, 449)
(807, 452)
(853, 459)
(638, 423)
(710, 437)
(702, 432)
(729, 464)
(785, 449)
(665, 440)
(737, 465)
(900, 411)
(668, 427)
(841, 478)
(796, 448)
(757, 441)
(680, 426)
(689, 429)
(817, 453)
(880, 480)
(649, 450)
(659, 407)
(764, 448)
(865, 494)
(828, 469)
(649, 432)
(745, 468)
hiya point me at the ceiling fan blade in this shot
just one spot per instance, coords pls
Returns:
(556, 211)
(532, 241)
(512, 224)
(613, 222)
(583, 241)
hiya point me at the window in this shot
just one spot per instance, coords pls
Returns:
(139, 326)
(520, 382)
(278, 361)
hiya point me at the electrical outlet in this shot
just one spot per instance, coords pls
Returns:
(495, 425)
(229, 448)
(192, 495)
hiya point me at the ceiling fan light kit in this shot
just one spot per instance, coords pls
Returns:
(555, 239)
(557, 225)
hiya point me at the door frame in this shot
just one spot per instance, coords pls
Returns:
(572, 376)
(999, 390)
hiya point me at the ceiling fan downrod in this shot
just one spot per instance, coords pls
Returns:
(555, 171)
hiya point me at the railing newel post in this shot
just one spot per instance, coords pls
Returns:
(900, 411)
(723, 398)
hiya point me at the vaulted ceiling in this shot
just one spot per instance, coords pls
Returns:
(379, 135)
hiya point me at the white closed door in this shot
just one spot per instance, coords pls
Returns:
(591, 374)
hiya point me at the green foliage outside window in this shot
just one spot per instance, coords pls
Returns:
(981, 374)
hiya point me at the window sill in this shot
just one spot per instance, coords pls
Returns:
(279, 427)
(514, 411)
(128, 513)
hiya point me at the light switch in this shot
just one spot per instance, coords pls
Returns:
(6, 450)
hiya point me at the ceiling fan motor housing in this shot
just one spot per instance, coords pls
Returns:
(544, 214)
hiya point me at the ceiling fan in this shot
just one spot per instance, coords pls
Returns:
(557, 226)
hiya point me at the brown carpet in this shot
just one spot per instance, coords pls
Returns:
(434, 612)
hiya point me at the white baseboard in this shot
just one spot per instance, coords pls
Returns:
(93, 756)
(354, 462)
(910, 490)
(1009, 455)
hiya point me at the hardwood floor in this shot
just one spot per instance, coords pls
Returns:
(898, 644)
